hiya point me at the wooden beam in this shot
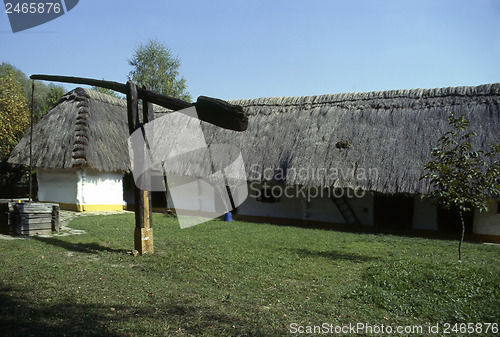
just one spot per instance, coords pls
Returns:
(120, 87)
(210, 110)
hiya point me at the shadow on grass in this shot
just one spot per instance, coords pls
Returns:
(90, 248)
(21, 315)
(333, 255)
(367, 229)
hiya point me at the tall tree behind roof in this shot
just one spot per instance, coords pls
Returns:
(45, 95)
(156, 67)
(14, 112)
(106, 91)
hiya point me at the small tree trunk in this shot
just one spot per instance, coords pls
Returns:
(461, 237)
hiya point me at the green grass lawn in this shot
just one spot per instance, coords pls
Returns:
(238, 279)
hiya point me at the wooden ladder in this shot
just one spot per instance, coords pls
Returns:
(346, 211)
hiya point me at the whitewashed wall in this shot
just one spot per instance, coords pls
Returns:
(487, 223)
(57, 185)
(424, 214)
(284, 208)
(363, 207)
(195, 194)
(100, 188)
(323, 209)
(313, 205)
(83, 189)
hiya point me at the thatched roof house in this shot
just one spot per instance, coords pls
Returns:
(80, 151)
(378, 142)
(85, 129)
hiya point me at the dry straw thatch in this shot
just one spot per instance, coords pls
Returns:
(377, 141)
(85, 129)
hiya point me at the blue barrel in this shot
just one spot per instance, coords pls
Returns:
(228, 216)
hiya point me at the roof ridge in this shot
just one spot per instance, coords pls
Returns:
(480, 90)
(81, 131)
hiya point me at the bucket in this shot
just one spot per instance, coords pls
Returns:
(228, 216)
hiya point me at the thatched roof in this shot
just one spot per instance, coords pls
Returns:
(316, 137)
(85, 129)
(377, 141)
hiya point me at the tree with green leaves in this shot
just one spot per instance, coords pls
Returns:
(14, 112)
(53, 96)
(156, 68)
(463, 178)
(45, 96)
(106, 91)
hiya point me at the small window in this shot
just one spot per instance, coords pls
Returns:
(498, 207)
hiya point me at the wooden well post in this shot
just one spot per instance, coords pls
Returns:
(143, 235)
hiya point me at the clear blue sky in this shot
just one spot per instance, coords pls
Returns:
(247, 49)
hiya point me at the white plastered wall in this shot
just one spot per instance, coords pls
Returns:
(56, 185)
(307, 204)
(82, 188)
(100, 188)
(362, 204)
(424, 214)
(196, 195)
(488, 223)
(322, 208)
(284, 208)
